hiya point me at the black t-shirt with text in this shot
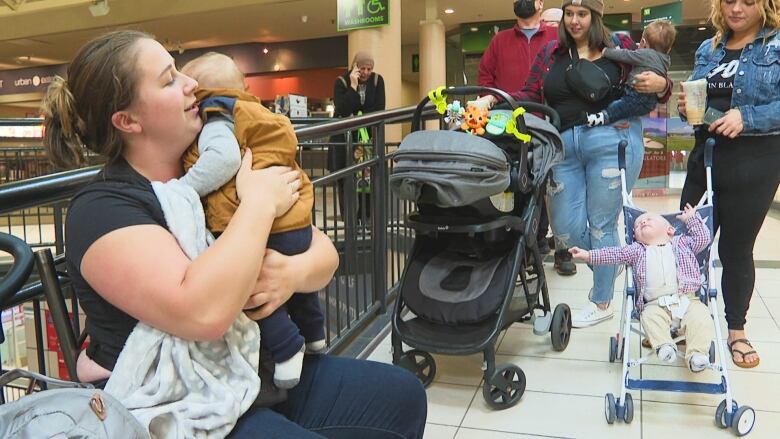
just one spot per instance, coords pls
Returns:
(720, 81)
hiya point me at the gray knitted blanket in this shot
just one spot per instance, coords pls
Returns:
(184, 389)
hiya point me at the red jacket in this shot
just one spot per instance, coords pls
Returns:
(507, 60)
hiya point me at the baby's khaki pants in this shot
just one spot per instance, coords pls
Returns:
(697, 325)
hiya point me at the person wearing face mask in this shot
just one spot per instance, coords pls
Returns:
(505, 65)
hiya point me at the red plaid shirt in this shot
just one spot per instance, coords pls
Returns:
(685, 247)
(534, 87)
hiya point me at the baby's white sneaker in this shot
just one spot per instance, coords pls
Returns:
(667, 352)
(287, 374)
(698, 362)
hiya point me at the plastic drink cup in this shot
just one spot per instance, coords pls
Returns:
(695, 100)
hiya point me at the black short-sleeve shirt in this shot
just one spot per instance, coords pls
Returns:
(118, 197)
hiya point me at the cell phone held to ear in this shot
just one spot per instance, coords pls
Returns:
(711, 115)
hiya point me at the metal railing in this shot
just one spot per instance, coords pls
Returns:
(372, 246)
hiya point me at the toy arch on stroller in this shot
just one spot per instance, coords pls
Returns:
(477, 215)
(740, 419)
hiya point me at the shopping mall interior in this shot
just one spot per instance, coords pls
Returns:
(291, 52)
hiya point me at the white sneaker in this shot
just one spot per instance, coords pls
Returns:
(698, 362)
(667, 353)
(590, 315)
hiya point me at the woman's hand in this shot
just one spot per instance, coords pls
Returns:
(730, 125)
(274, 286)
(275, 185)
(354, 77)
(650, 82)
(681, 102)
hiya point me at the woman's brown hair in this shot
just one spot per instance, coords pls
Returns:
(598, 34)
(101, 80)
(770, 18)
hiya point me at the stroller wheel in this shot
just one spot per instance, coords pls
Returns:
(613, 349)
(505, 388)
(720, 413)
(560, 329)
(743, 421)
(628, 409)
(610, 410)
(421, 364)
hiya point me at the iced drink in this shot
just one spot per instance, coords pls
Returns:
(695, 100)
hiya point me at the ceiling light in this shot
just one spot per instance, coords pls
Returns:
(99, 8)
(474, 29)
(702, 28)
(265, 51)
(449, 11)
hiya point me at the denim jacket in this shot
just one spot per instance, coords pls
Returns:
(757, 83)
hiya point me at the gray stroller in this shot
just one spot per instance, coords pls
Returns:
(466, 278)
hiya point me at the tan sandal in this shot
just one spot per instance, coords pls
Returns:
(743, 364)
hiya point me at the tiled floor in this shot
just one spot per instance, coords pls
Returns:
(565, 390)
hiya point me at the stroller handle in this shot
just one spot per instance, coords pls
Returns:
(709, 146)
(622, 154)
(21, 268)
(513, 104)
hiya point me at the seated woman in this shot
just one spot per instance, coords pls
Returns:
(125, 100)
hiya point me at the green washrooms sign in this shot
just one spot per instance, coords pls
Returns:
(361, 14)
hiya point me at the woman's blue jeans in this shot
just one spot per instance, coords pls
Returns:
(584, 194)
(343, 398)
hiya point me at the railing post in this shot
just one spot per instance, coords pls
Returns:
(59, 228)
(350, 237)
(379, 218)
(57, 308)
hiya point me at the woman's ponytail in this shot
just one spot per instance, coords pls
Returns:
(63, 126)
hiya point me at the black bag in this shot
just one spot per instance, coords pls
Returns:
(587, 79)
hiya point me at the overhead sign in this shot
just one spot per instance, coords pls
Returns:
(30, 80)
(361, 14)
(669, 11)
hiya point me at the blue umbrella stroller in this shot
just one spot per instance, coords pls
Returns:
(740, 419)
(477, 213)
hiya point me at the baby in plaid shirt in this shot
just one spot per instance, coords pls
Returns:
(667, 278)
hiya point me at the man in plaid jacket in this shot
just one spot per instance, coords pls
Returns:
(667, 278)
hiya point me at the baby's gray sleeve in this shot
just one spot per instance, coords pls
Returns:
(220, 157)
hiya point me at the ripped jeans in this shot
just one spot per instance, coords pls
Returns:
(584, 194)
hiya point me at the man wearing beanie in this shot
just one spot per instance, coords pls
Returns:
(505, 66)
